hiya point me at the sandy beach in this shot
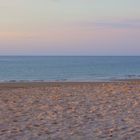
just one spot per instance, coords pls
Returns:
(70, 111)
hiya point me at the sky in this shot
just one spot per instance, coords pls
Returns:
(69, 27)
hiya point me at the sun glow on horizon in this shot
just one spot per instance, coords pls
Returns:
(70, 27)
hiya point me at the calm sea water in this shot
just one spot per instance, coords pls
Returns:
(68, 68)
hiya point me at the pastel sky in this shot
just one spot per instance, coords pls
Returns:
(69, 27)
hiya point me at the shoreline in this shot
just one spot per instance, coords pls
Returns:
(66, 82)
(69, 81)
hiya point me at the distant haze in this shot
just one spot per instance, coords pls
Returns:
(69, 27)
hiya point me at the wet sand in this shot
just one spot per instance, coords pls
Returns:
(70, 111)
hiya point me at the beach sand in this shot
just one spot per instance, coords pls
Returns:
(70, 111)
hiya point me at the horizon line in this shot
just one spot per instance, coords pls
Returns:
(70, 55)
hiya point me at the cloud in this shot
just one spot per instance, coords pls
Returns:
(114, 24)
(129, 23)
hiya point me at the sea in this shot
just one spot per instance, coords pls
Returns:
(68, 68)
